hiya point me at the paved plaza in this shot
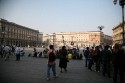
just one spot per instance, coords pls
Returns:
(33, 70)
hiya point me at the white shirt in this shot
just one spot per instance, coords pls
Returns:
(6, 48)
(17, 50)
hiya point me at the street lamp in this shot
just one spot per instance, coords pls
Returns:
(28, 41)
(121, 3)
(72, 43)
(53, 38)
(100, 28)
(94, 39)
(63, 40)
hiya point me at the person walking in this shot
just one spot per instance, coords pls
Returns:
(6, 51)
(17, 52)
(51, 62)
(13, 50)
(63, 59)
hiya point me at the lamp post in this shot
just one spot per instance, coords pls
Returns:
(63, 40)
(28, 41)
(122, 3)
(100, 28)
(53, 38)
(72, 43)
(48, 40)
(93, 39)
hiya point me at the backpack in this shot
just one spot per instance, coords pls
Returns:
(52, 57)
(86, 53)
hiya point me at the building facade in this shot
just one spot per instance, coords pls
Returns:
(117, 34)
(77, 39)
(14, 34)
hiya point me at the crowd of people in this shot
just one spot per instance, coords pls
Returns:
(96, 58)
(74, 52)
(106, 59)
(8, 50)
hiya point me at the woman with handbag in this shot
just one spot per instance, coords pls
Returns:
(63, 59)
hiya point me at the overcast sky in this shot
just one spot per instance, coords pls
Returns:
(51, 16)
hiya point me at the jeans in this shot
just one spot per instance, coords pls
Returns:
(53, 66)
(6, 54)
(86, 62)
(17, 57)
(98, 65)
(90, 63)
(106, 68)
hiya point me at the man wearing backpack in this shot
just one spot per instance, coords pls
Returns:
(51, 62)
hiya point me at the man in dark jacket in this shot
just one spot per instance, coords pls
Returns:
(118, 63)
(97, 58)
(86, 54)
(106, 59)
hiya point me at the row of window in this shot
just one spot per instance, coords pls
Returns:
(17, 32)
(69, 39)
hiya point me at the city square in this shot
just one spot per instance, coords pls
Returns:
(33, 70)
(81, 41)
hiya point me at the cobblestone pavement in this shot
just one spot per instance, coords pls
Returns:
(33, 70)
